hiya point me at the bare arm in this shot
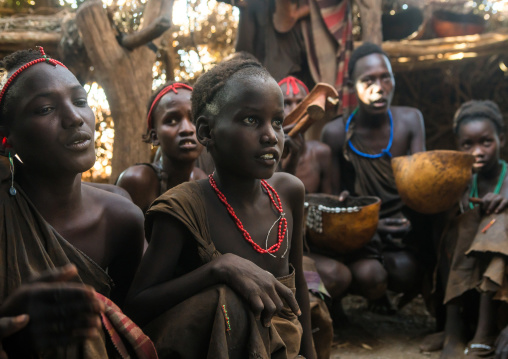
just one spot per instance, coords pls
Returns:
(127, 232)
(155, 288)
(295, 258)
(334, 136)
(418, 130)
(325, 163)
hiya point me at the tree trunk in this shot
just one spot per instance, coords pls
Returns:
(125, 75)
(370, 12)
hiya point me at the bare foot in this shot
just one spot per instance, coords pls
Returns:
(453, 349)
(481, 348)
(433, 342)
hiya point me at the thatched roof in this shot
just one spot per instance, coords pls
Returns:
(26, 31)
(408, 55)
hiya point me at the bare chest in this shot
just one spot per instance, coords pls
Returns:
(89, 234)
(256, 228)
(378, 139)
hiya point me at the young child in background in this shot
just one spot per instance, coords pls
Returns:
(222, 276)
(170, 126)
(476, 240)
(310, 161)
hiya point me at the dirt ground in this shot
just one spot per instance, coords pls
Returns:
(375, 336)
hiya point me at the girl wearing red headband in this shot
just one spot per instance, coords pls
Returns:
(169, 126)
(50, 220)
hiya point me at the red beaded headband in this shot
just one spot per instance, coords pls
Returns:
(172, 87)
(44, 58)
(293, 82)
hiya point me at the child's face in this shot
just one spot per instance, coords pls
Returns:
(174, 130)
(247, 133)
(292, 100)
(479, 138)
(51, 126)
(374, 83)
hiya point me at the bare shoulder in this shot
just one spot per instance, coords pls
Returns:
(334, 134)
(137, 176)
(198, 174)
(408, 115)
(142, 183)
(289, 187)
(110, 188)
(119, 213)
(319, 148)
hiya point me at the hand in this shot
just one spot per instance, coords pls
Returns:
(260, 288)
(394, 226)
(502, 345)
(492, 203)
(60, 312)
(9, 326)
(343, 196)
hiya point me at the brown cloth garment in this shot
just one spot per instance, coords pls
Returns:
(321, 321)
(478, 260)
(373, 176)
(29, 246)
(282, 54)
(215, 323)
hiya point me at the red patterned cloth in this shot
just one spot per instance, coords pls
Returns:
(120, 329)
(331, 17)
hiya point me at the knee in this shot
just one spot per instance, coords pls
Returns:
(335, 276)
(370, 279)
(403, 271)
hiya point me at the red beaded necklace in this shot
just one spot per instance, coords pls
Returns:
(283, 225)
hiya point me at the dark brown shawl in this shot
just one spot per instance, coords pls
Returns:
(478, 258)
(198, 327)
(29, 246)
(374, 177)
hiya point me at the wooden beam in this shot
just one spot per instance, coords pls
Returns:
(20, 40)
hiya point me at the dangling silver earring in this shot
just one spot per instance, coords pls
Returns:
(12, 190)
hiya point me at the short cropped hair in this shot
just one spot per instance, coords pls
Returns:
(8, 64)
(366, 49)
(476, 110)
(240, 55)
(209, 85)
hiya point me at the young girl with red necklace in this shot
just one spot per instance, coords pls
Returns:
(222, 276)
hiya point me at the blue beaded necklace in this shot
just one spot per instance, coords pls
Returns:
(385, 151)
